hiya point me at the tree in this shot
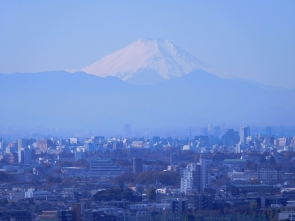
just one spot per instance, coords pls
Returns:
(272, 160)
(116, 194)
(53, 179)
(5, 177)
(122, 186)
(46, 166)
(288, 155)
(262, 158)
(57, 170)
(152, 194)
(149, 177)
(3, 161)
(254, 208)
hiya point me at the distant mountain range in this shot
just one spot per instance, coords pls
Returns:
(149, 84)
(146, 61)
(78, 100)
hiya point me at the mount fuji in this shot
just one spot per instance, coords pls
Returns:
(146, 61)
(181, 92)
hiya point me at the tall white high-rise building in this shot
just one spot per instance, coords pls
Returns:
(22, 143)
(25, 156)
(191, 179)
(244, 133)
(20, 153)
(195, 177)
(238, 147)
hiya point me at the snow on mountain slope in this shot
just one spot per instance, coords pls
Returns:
(146, 58)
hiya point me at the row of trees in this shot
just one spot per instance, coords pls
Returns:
(245, 212)
(116, 194)
(5, 177)
(78, 163)
(150, 177)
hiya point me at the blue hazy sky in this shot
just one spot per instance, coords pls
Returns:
(248, 39)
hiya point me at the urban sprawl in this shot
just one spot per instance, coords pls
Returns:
(220, 174)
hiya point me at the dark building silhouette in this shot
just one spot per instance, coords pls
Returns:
(137, 165)
(179, 206)
(127, 130)
(268, 131)
(231, 137)
(204, 131)
(15, 215)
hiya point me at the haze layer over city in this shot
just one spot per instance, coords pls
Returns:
(136, 110)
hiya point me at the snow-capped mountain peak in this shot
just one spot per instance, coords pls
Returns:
(146, 61)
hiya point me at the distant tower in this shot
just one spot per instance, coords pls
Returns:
(27, 156)
(217, 131)
(137, 165)
(204, 131)
(268, 131)
(205, 176)
(22, 143)
(127, 130)
(1, 144)
(210, 129)
(244, 133)
(21, 155)
(237, 148)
